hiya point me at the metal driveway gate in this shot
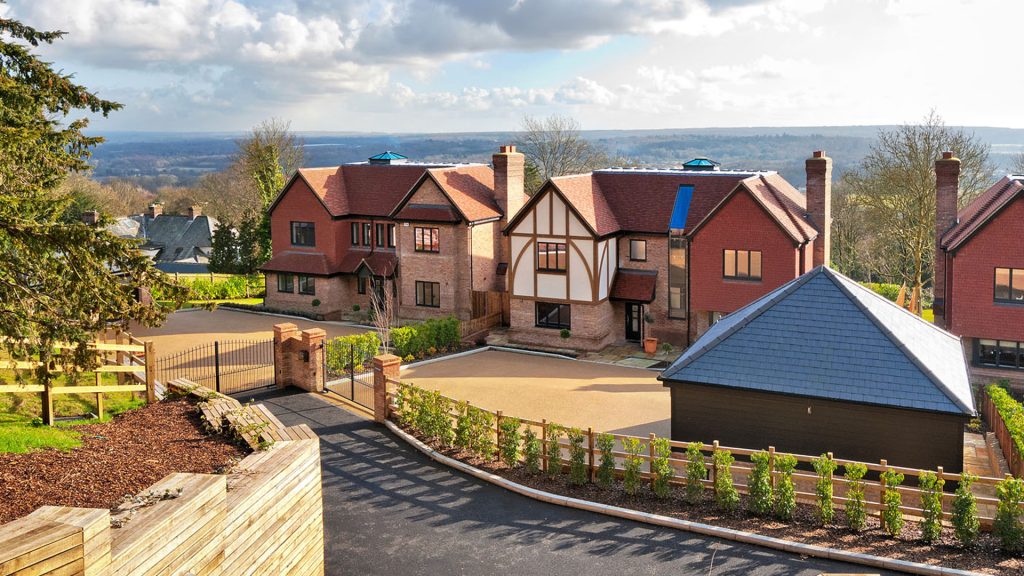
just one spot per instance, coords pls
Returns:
(346, 374)
(227, 366)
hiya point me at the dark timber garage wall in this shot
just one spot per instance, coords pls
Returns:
(751, 419)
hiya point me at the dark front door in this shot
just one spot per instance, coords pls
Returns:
(634, 321)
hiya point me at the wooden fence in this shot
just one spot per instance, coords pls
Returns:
(468, 328)
(126, 356)
(990, 413)
(803, 480)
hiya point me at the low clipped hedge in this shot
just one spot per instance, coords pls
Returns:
(887, 291)
(359, 349)
(426, 338)
(1011, 411)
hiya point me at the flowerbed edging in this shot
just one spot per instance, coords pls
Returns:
(680, 524)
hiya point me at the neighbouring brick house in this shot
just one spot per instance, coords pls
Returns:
(428, 232)
(621, 254)
(979, 272)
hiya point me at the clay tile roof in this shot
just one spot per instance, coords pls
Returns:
(379, 263)
(312, 263)
(977, 213)
(428, 213)
(785, 203)
(585, 195)
(362, 189)
(634, 285)
(471, 189)
(643, 201)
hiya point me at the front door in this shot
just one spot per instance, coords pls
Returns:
(634, 321)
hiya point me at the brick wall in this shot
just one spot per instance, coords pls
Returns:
(741, 225)
(664, 328)
(336, 295)
(970, 306)
(300, 204)
(593, 326)
(447, 267)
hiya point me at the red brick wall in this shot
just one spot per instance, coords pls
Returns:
(592, 326)
(299, 204)
(1000, 243)
(741, 225)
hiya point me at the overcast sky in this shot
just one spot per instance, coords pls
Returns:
(470, 65)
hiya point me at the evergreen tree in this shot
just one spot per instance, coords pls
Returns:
(60, 281)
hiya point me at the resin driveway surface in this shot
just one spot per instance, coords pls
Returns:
(389, 510)
(607, 397)
(190, 328)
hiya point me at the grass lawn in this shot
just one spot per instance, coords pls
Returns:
(17, 412)
(20, 432)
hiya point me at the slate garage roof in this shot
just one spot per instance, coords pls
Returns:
(823, 335)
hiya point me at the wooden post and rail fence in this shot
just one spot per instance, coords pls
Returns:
(387, 384)
(129, 358)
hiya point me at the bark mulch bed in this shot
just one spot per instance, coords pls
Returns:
(985, 557)
(119, 458)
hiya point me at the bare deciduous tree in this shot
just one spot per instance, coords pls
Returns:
(554, 147)
(1018, 164)
(895, 186)
(382, 304)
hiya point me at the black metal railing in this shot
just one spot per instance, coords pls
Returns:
(228, 366)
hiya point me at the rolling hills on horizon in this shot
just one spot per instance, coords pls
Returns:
(178, 158)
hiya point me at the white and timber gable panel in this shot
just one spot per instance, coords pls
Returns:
(590, 263)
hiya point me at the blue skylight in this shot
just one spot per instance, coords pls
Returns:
(682, 207)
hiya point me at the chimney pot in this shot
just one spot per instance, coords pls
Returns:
(194, 212)
(947, 155)
(155, 210)
(819, 153)
(90, 217)
(508, 149)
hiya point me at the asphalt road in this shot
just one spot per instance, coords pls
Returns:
(390, 510)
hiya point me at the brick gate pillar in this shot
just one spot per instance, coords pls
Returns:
(310, 373)
(284, 336)
(385, 367)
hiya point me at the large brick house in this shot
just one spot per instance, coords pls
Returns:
(621, 254)
(979, 272)
(340, 233)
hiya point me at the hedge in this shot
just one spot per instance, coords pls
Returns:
(888, 291)
(233, 287)
(363, 346)
(418, 339)
(1011, 411)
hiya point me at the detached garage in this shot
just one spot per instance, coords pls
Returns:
(823, 364)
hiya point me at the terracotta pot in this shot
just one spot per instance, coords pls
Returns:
(650, 345)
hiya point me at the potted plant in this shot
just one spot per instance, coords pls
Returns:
(564, 333)
(650, 343)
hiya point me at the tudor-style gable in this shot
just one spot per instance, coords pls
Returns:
(555, 254)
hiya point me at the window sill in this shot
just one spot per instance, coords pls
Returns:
(555, 272)
(992, 367)
(742, 280)
(307, 293)
(552, 327)
(286, 291)
(1009, 303)
(427, 306)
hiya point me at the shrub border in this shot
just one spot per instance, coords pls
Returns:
(679, 524)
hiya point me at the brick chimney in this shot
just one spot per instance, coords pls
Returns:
(90, 217)
(194, 212)
(819, 205)
(947, 188)
(509, 179)
(155, 210)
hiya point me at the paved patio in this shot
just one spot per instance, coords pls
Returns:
(188, 329)
(606, 397)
